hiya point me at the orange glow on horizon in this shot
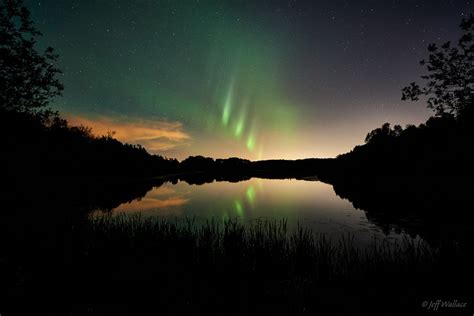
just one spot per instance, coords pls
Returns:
(155, 136)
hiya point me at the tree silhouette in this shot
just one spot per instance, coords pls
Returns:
(383, 133)
(450, 79)
(28, 77)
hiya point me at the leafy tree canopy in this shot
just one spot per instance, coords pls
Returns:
(381, 134)
(28, 77)
(449, 81)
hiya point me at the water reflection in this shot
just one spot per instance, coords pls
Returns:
(313, 204)
(423, 206)
(164, 198)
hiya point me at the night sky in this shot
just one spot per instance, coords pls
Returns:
(253, 79)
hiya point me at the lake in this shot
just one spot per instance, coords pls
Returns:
(313, 204)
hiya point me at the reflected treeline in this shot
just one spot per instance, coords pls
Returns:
(75, 194)
(437, 208)
(83, 194)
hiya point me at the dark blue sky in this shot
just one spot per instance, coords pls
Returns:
(256, 79)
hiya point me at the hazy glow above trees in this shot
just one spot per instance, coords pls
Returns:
(254, 79)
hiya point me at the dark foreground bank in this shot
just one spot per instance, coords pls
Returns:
(131, 265)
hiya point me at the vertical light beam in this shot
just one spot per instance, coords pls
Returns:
(251, 142)
(239, 127)
(250, 194)
(228, 104)
(238, 208)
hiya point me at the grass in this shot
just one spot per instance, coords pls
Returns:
(138, 264)
(255, 246)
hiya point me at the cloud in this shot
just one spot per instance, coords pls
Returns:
(155, 136)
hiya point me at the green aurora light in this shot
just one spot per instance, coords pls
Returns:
(253, 79)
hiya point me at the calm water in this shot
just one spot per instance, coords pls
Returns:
(311, 203)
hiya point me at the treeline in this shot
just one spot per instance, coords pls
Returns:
(38, 145)
(264, 168)
(441, 146)
(46, 145)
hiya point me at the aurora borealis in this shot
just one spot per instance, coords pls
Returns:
(254, 79)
